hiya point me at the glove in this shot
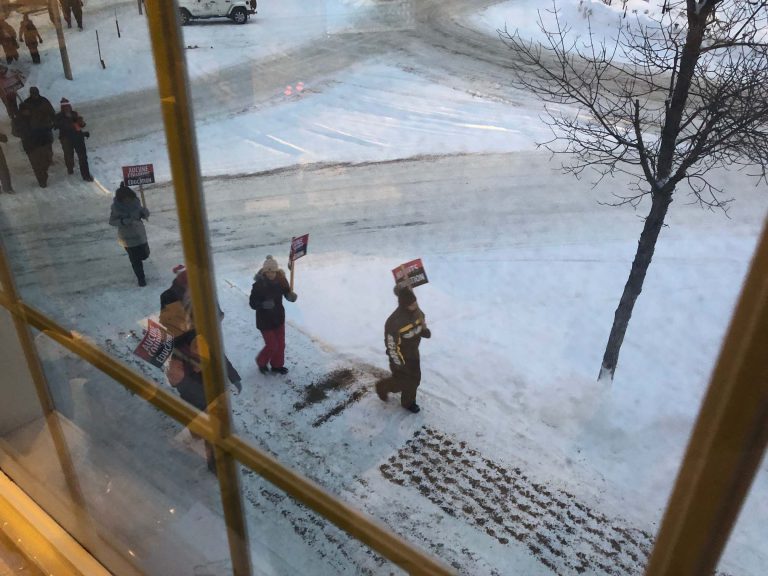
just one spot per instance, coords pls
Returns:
(426, 333)
(291, 296)
(86, 134)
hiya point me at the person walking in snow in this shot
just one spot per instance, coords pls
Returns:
(185, 374)
(269, 287)
(30, 36)
(8, 41)
(70, 8)
(5, 174)
(403, 331)
(184, 371)
(34, 124)
(10, 81)
(127, 214)
(176, 315)
(72, 138)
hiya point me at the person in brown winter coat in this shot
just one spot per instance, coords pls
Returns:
(185, 367)
(8, 41)
(403, 331)
(30, 36)
(176, 315)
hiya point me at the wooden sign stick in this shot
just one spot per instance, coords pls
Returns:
(143, 199)
(292, 262)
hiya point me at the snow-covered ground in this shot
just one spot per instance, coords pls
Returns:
(519, 461)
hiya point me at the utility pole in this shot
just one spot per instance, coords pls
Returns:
(53, 10)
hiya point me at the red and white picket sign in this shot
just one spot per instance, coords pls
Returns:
(299, 245)
(156, 346)
(410, 274)
(138, 175)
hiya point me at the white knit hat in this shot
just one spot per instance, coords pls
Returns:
(270, 265)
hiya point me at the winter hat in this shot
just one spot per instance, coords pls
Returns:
(181, 275)
(405, 297)
(270, 265)
(65, 105)
(34, 91)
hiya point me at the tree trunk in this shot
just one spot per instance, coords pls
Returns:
(645, 248)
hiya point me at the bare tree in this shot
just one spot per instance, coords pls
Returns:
(665, 102)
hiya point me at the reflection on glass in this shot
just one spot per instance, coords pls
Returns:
(288, 538)
(12, 561)
(148, 497)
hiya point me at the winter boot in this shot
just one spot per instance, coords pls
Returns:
(263, 369)
(281, 370)
(383, 394)
(413, 408)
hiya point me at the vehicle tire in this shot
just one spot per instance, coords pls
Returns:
(184, 16)
(239, 15)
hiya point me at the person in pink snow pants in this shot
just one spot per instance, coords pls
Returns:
(269, 288)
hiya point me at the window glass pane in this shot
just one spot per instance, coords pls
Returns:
(399, 134)
(148, 496)
(70, 252)
(388, 131)
(289, 538)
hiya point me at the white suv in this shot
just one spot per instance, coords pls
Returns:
(236, 10)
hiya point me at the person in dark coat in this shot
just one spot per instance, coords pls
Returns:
(70, 8)
(31, 37)
(72, 138)
(176, 315)
(267, 292)
(185, 374)
(184, 367)
(8, 41)
(34, 124)
(127, 214)
(403, 331)
(5, 174)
